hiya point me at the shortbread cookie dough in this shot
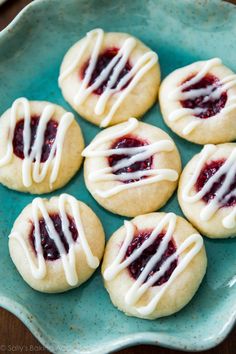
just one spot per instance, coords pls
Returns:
(132, 168)
(198, 102)
(56, 244)
(40, 146)
(153, 265)
(109, 77)
(207, 191)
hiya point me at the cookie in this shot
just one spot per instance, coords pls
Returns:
(153, 265)
(56, 244)
(198, 102)
(109, 77)
(207, 191)
(40, 146)
(131, 168)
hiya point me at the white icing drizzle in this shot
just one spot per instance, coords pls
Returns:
(231, 282)
(135, 154)
(210, 93)
(39, 270)
(228, 169)
(32, 168)
(140, 287)
(117, 64)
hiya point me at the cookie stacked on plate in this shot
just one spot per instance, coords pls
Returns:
(154, 264)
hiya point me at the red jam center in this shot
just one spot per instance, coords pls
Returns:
(207, 172)
(136, 268)
(102, 62)
(49, 137)
(50, 251)
(209, 107)
(129, 141)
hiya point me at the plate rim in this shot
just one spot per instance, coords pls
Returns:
(142, 338)
(147, 337)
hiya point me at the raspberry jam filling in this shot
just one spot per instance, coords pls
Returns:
(136, 267)
(129, 141)
(207, 172)
(50, 251)
(49, 137)
(209, 107)
(102, 62)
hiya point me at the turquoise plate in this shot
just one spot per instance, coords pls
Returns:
(31, 50)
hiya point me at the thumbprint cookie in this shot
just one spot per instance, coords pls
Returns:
(153, 265)
(40, 146)
(198, 102)
(109, 77)
(207, 191)
(56, 244)
(131, 168)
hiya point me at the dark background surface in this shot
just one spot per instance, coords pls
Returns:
(14, 336)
